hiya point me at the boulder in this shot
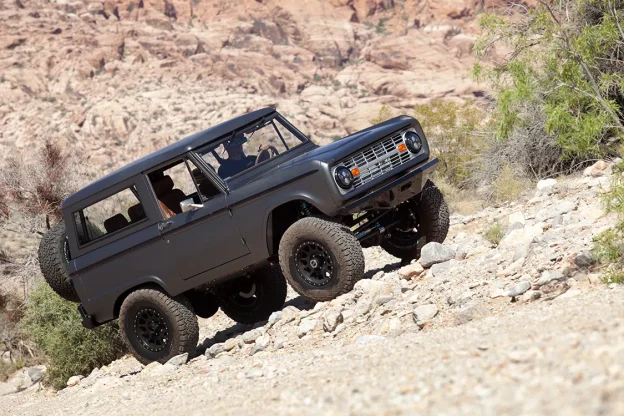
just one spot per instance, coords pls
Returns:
(546, 185)
(178, 360)
(518, 289)
(331, 320)
(584, 259)
(470, 313)
(411, 271)
(74, 380)
(599, 168)
(306, 326)
(433, 253)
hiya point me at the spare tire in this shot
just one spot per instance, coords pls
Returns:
(54, 257)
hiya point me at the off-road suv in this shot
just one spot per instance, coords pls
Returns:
(225, 217)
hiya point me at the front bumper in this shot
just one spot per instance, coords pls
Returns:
(393, 190)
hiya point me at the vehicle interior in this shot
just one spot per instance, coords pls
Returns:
(178, 182)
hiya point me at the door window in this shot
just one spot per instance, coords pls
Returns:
(110, 215)
(247, 149)
(180, 181)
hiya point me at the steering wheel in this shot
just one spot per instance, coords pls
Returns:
(265, 153)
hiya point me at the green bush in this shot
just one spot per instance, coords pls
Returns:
(609, 245)
(565, 60)
(495, 233)
(456, 136)
(54, 324)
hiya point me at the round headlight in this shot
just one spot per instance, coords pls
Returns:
(413, 141)
(344, 178)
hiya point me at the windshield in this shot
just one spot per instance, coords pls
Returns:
(252, 147)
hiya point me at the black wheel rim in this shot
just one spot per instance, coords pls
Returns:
(244, 293)
(151, 330)
(314, 263)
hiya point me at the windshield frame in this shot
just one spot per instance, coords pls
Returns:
(257, 124)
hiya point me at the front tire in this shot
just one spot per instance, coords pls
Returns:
(321, 259)
(156, 327)
(252, 299)
(431, 224)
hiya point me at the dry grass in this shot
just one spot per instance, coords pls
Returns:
(459, 201)
(508, 185)
(494, 233)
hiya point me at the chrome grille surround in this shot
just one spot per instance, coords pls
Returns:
(377, 159)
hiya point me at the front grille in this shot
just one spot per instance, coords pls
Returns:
(377, 159)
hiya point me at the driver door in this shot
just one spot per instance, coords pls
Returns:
(205, 236)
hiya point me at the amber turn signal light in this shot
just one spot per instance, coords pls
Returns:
(401, 148)
(355, 171)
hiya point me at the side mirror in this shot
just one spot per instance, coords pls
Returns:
(190, 205)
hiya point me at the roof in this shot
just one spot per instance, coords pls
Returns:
(172, 151)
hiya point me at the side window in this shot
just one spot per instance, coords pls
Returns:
(109, 215)
(178, 182)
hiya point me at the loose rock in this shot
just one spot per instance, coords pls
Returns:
(424, 314)
(433, 253)
(519, 289)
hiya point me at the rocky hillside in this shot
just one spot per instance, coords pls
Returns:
(524, 326)
(116, 79)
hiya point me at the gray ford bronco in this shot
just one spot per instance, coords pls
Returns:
(226, 217)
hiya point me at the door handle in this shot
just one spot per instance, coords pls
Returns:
(163, 225)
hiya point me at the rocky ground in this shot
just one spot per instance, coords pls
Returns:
(522, 327)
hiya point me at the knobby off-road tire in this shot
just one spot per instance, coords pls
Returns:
(433, 224)
(252, 299)
(53, 260)
(321, 259)
(156, 327)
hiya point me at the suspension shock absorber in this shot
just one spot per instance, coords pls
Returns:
(305, 209)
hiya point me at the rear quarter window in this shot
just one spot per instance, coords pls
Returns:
(108, 216)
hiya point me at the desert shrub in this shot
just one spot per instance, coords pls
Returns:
(567, 63)
(385, 113)
(456, 134)
(36, 184)
(494, 233)
(70, 348)
(608, 246)
(461, 201)
(508, 185)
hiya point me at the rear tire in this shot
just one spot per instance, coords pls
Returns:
(54, 257)
(205, 304)
(433, 224)
(156, 327)
(321, 259)
(248, 300)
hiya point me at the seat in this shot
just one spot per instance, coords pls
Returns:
(168, 198)
(115, 223)
(136, 213)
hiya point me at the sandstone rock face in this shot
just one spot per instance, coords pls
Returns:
(116, 80)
